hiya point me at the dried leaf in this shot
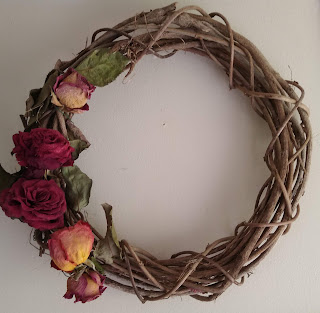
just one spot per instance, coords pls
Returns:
(36, 104)
(79, 146)
(46, 89)
(102, 67)
(90, 264)
(97, 265)
(78, 187)
(24, 121)
(109, 247)
(75, 133)
(78, 271)
(33, 96)
(6, 179)
(110, 226)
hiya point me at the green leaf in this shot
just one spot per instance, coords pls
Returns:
(109, 247)
(78, 187)
(97, 265)
(102, 67)
(79, 146)
(6, 179)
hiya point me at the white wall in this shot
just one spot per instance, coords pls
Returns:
(175, 186)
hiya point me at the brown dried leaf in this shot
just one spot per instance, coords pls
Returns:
(109, 247)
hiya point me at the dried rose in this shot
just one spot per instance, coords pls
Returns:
(71, 92)
(39, 203)
(71, 246)
(42, 148)
(32, 173)
(87, 288)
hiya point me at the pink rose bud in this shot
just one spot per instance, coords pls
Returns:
(71, 92)
(87, 288)
(42, 148)
(38, 202)
(71, 246)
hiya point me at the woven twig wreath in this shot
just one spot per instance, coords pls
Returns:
(226, 261)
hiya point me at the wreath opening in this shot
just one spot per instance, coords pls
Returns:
(50, 191)
(184, 150)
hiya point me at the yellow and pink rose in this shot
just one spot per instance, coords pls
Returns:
(71, 92)
(88, 287)
(71, 246)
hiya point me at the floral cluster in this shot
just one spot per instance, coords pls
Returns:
(37, 201)
(36, 198)
(70, 247)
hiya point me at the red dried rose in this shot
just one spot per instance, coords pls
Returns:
(42, 149)
(87, 288)
(39, 203)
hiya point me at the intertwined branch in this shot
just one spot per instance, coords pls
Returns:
(206, 275)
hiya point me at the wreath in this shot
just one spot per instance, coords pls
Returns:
(49, 192)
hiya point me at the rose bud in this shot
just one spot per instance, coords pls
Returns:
(72, 91)
(71, 246)
(88, 287)
(42, 149)
(37, 202)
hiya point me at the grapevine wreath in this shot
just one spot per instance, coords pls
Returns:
(49, 191)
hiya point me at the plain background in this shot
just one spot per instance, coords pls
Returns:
(178, 155)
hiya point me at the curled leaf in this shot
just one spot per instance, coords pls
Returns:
(39, 99)
(32, 99)
(109, 247)
(46, 89)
